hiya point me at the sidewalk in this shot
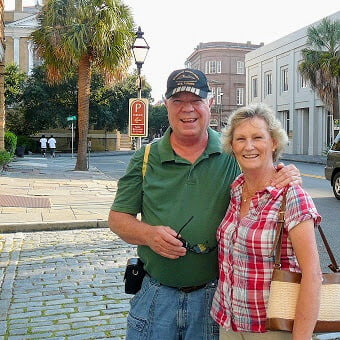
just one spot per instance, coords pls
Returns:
(46, 194)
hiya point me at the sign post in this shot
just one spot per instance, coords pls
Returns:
(71, 119)
(138, 117)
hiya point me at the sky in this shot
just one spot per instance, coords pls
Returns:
(174, 28)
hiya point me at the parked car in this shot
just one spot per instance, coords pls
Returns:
(332, 169)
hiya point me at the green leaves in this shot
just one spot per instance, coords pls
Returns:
(71, 29)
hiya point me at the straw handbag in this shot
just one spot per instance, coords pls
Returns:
(285, 285)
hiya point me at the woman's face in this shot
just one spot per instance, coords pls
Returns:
(253, 145)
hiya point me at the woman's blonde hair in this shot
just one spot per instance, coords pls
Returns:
(251, 111)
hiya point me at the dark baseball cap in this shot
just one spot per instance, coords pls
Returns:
(187, 80)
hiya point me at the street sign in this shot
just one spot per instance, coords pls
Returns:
(138, 117)
(71, 118)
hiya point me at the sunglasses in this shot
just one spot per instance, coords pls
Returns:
(199, 248)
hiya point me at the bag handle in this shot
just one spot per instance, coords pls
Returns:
(277, 247)
(333, 266)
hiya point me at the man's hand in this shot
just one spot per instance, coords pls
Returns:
(285, 175)
(162, 240)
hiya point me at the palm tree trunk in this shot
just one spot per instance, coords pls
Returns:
(84, 82)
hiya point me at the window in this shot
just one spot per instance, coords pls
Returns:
(240, 67)
(254, 87)
(284, 79)
(219, 66)
(213, 92)
(213, 66)
(239, 96)
(219, 95)
(302, 81)
(287, 123)
(268, 84)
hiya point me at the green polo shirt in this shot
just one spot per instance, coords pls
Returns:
(173, 190)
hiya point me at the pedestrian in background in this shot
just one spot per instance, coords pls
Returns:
(247, 233)
(182, 199)
(43, 145)
(52, 145)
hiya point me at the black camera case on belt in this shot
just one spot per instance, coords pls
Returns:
(134, 274)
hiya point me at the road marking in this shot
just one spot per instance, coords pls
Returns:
(314, 176)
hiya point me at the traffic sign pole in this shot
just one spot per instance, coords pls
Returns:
(72, 119)
(72, 138)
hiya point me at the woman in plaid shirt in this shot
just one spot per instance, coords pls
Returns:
(246, 234)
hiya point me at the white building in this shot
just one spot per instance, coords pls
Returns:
(19, 24)
(272, 77)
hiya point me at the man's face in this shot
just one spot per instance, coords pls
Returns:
(188, 114)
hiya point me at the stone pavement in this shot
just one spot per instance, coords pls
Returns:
(76, 198)
(60, 282)
(63, 285)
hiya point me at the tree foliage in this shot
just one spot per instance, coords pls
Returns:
(15, 81)
(158, 120)
(45, 106)
(109, 107)
(85, 35)
(321, 64)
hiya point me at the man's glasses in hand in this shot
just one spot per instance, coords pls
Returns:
(199, 248)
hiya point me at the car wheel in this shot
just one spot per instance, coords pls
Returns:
(336, 185)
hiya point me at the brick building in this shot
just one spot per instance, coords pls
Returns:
(223, 63)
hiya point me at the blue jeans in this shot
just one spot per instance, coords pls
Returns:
(161, 312)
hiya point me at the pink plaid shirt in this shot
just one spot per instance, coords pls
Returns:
(245, 267)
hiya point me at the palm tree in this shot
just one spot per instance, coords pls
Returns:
(321, 64)
(83, 35)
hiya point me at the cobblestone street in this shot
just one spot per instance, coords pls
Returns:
(63, 285)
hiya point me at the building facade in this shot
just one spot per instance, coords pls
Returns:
(224, 65)
(272, 77)
(19, 24)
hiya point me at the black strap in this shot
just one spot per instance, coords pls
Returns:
(333, 266)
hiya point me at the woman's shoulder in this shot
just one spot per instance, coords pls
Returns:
(300, 203)
(297, 192)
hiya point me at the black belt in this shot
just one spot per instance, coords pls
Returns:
(190, 289)
(186, 289)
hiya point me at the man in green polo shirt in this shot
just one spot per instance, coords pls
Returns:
(182, 199)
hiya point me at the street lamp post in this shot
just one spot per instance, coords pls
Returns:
(140, 50)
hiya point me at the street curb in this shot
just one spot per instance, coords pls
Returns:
(303, 158)
(51, 226)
